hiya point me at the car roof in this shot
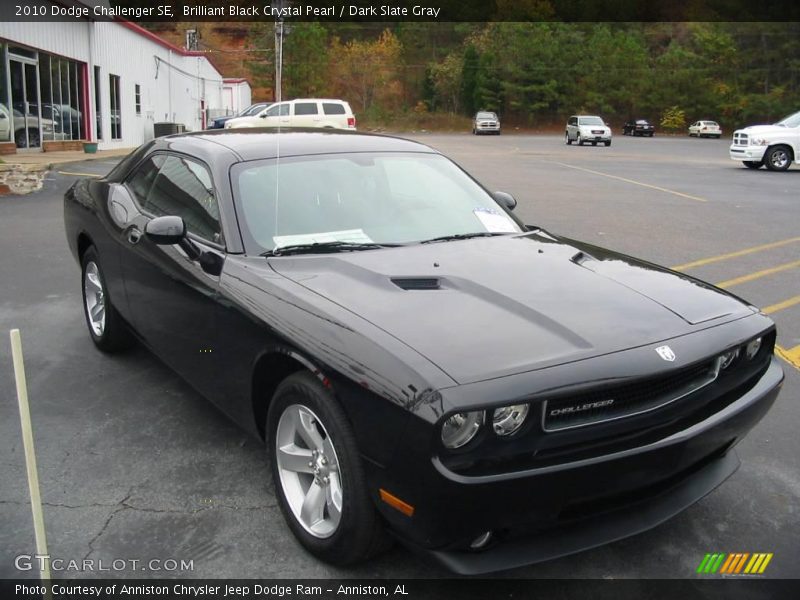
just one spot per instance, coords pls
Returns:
(264, 142)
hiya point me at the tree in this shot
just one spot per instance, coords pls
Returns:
(367, 72)
(469, 80)
(305, 62)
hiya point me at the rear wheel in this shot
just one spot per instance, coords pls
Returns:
(778, 158)
(319, 480)
(106, 328)
(753, 164)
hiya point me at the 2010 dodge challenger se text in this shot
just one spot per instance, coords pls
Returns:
(417, 359)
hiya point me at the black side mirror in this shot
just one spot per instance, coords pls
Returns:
(505, 199)
(165, 231)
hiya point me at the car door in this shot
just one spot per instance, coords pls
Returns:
(276, 115)
(305, 114)
(172, 296)
(572, 127)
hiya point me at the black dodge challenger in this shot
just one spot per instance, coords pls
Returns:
(417, 359)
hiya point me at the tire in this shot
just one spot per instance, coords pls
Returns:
(106, 328)
(579, 139)
(753, 164)
(608, 143)
(778, 158)
(567, 138)
(305, 418)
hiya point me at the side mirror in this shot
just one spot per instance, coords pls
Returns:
(263, 115)
(165, 231)
(505, 199)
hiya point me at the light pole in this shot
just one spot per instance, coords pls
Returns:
(277, 7)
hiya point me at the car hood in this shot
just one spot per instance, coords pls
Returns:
(490, 307)
(764, 129)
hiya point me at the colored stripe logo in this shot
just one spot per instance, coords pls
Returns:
(737, 563)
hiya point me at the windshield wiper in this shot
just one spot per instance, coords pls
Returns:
(324, 248)
(462, 236)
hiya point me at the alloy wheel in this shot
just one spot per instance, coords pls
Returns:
(94, 299)
(309, 471)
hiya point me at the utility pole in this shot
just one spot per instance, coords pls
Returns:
(277, 7)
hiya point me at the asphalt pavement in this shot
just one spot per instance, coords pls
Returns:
(135, 465)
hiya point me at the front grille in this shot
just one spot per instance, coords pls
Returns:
(644, 395)
(740, 139)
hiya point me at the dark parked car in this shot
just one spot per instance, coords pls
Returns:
(638, 127)
(250, 111)
(416, 358)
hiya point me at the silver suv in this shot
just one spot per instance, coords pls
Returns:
(587, 128)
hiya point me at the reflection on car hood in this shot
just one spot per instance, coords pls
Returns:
(511, 304)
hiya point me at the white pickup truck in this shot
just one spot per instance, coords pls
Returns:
(776, 146)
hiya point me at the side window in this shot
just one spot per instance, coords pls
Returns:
(142, 179)
(278, 110)
(183, 188)
(305, 108)
(332, 108)
(573, 120)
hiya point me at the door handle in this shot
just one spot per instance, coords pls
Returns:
(134, 235)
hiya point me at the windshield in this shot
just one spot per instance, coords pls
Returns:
(360, 198)
(485, 115)
(254, 109)
(590, 121)
(790, 121)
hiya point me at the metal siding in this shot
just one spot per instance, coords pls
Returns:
(167, 94)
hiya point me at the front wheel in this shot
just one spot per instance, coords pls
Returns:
(567, 139)
(319, 480)
(753, 164)
(608, 143)
(778, 158)
(579, 139)
(106, 328)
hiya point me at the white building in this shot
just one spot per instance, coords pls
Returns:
(62, 83)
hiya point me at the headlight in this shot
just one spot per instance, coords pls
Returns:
(726, 360)
(460, 428)
(753, 348)
(508, 419)
(759, 142)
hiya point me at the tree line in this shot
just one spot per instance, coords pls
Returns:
(537, 73)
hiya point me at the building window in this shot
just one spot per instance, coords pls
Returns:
(138, 98)
(98, 105)
(116, 116)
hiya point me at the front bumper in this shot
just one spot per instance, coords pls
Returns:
(748, 153)
(588, 136)
(559, 509)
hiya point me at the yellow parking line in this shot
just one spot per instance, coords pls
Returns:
(773, 308)
(713, 259)
(757, 275)
(792, 356)
(626, 180)
(79, 174)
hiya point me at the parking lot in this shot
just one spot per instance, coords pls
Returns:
(135, 465)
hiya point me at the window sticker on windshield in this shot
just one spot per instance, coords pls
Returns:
(351, 236)
(494, 221)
